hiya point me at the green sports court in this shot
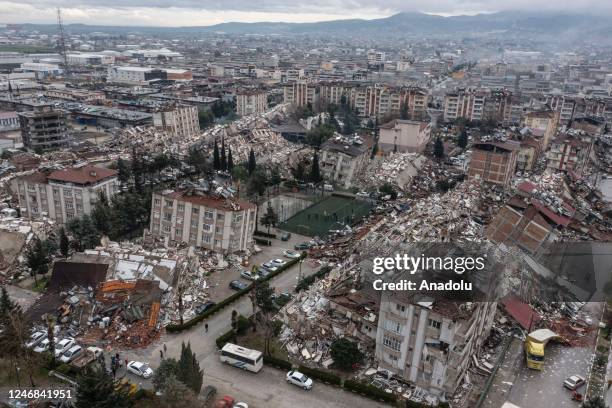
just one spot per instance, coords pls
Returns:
(331, 213)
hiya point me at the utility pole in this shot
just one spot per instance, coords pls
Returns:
(61, 42)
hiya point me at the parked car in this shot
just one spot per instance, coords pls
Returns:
(36, 338)
(140, 369)
(241, 405)
(204, 307)
(573, 382)
(63, 345)
(302, 246)
(270, 267)
(43, 345)
(299, 379)
(278, 262)
(71, 354)
(291, 254)
(284, 236)
(249, 275)
(263, 273)
(237, 285)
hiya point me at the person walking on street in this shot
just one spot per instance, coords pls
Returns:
(165, 349)
(161, 354)
(205, 327)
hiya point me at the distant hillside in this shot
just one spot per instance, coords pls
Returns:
(558, 26)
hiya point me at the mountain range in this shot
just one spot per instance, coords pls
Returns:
(508, 23)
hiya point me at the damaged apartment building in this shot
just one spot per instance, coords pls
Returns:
(430, 342)
(203, 218)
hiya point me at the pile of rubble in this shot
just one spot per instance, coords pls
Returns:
(398, 169)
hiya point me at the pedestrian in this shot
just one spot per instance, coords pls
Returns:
(126, 361)
(205, 327)
(161, 354)
(165, 349)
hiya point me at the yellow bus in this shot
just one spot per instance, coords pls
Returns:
(534, 353)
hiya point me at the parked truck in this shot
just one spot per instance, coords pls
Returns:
(91, 354)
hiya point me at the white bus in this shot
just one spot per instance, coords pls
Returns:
(241, 357)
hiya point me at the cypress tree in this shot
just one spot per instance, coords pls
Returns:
(64, 242)
(223, 156)
(252, 165)
(230, 160)
(216, 160)
(315, 173)
(190, 373)
(439, 148)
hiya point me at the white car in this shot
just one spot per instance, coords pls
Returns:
(43, 345)
(71, 354)
(291, 254)
(299, 379)
(270, 267)
(573, 382)
(277, 262)
(36, 338)
(249, 275)
(63, 345)
(241, 405)
(140, 369)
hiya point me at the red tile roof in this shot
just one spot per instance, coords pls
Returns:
(82, 175)
(524, 314)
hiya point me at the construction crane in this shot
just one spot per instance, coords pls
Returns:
(61, 42)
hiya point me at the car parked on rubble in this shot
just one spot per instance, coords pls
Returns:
(44, 345)
(140, 369)
(574, 382)
(270, 267)
(237, 285)
(299, 379)
(302, 246)
(36, 338)
(291, 254)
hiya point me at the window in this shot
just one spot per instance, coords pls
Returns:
(178, 232)
(195, 211)
(68, 193)
(392, 357)
(69, 206)
(217, 242)
(393, 326)
(220, 216)
(208, 215)
(218, 230)
(167, 216)
(181, 207)
(392, 343)
(400, 308)
(206, 238)
(166, 228)
(434, 323)
(206, 227)
(157, 201)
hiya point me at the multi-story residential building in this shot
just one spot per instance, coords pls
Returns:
(543, 124)
(9, 121)
(404, 136)
(300, 93)
(342, 160)
(63, 194)
(467, 104)
(249, 102)
(528, 154)
(179, 120)
(376, 57)
(201, 219)
(430, 342)
(570, 152)
(494, 162)
(44, 128)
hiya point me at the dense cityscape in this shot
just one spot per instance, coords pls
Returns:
(278, 214)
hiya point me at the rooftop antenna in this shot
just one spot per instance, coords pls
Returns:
(61, 42)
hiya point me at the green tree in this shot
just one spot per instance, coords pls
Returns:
(51, 337)
(216, 158)
(240, 172)
(64, 243)
(252, 165)
(38, 258)
(256, 185)
(404, 111)
(223, 156)
(270, 218)
(462, 140)
(190, 373)
(167, 368)
(124, 172)
(205, 119)
(176, 394)
(101, 215)
(230, 159)
(84, 233)
(275, 176)
(265, 303)
(438, 148)
(299, 171)
(315, 173)
(198, 160)
(345, 354)
(96, 388)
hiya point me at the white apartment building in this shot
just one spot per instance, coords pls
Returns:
(430, 342)
(181, 120)
(300, 93)
(376, 57)
(217, 223)
(63, 194)
(251, 102)
(404, 136)
(465, 104)
(341, 160)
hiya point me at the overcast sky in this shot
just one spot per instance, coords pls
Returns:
(208, 12)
